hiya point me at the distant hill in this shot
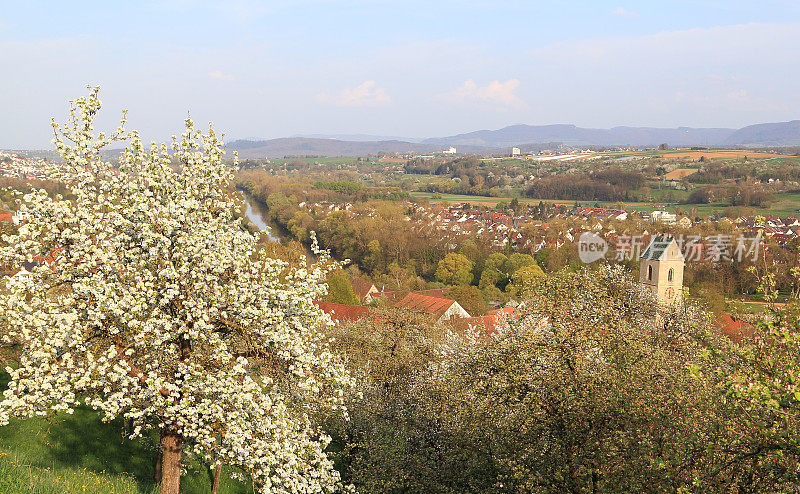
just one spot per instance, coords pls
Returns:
(573, 135)
(291, 146)
(358, 137)
(527, 137)
(767, 134)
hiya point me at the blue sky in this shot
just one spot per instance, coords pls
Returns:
(410, 68)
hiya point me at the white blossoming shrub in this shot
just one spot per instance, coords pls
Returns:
(159, 309)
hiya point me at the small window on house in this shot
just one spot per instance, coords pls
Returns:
(669, 274)
(649, 273)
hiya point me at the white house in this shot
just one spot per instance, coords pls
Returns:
(663, 217)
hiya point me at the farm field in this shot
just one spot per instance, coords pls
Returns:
(696, 154)
(680, 173)
(725, 154)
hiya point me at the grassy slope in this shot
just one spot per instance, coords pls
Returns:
(79, 453)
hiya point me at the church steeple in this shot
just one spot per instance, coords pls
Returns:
(661, 269)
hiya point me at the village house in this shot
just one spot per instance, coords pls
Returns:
(440, 309)
(365, 290)
(17, 218)
(663, 217)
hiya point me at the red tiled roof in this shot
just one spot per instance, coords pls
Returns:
(6, 217)
(485, 325)
(425, 303)
(342, 313)
(433, 292)
(504, 310)
(735, 329)
(782, 238)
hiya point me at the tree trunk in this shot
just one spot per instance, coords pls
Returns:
(217, 475)
(171, 445)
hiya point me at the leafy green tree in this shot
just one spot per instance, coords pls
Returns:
(496, 261)
(373, 257)
(454, 269)
(495, 296)
(470, 298)
(524, 279)
(301, 225)
(515, 261)
(340, 290)
(490, 277)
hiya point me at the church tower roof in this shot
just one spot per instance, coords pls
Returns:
(658, 248)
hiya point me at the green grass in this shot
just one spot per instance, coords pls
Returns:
(433, 197)
(73, 453)
(785, 204)
(745, 307)
(79, 453)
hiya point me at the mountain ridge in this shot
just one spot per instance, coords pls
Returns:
(527, 136)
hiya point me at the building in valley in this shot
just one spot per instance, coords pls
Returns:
(441, 309)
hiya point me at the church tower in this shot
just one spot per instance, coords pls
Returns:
(661, 269)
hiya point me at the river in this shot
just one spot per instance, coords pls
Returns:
(256, 213)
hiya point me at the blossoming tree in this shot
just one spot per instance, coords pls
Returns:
(161, 310)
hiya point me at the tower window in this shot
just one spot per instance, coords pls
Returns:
(669, 274)
(649, 273)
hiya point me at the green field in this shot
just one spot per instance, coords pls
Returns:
(434, 197)
(785, 204)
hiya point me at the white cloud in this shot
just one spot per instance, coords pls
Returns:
(496, 93)
(219, 75)
(624, 13)
(365, 94)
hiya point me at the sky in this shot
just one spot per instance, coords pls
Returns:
(397, 68)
